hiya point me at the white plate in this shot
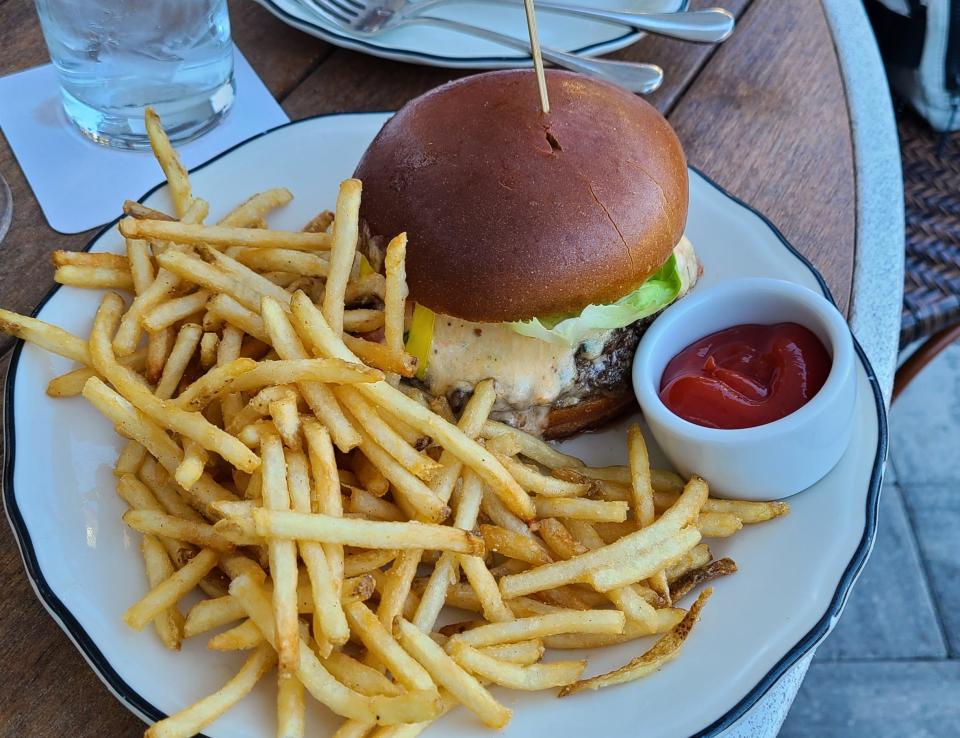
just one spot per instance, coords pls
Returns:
(795, 573)
(439, 47)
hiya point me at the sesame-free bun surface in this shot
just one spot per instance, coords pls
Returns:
(511, 213)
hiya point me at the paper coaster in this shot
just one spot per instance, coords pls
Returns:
(80, 184)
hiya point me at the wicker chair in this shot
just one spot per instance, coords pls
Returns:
(931, 300)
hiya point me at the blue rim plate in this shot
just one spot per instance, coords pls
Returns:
(66, 517)
(419, 45)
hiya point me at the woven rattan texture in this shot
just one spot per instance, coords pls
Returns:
(931, 179)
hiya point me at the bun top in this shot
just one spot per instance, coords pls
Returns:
(512, 214)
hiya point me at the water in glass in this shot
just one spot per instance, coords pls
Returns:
(115, 57)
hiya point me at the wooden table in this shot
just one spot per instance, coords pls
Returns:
(764, 115)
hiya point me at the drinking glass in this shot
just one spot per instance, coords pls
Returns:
(116, 57)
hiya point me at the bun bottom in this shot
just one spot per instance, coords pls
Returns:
(589, 414)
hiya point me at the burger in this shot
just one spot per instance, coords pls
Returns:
(540, 246)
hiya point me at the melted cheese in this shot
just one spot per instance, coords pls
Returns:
(527, 371)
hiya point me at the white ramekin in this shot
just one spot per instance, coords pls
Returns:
(770, 461)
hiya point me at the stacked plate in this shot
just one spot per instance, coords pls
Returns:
(439, 47)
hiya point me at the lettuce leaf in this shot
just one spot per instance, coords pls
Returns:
(652, 296)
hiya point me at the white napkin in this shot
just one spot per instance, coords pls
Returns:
(80, 184)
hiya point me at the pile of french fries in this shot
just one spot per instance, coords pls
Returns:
(328, 511)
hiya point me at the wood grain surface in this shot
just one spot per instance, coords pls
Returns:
(764, 115)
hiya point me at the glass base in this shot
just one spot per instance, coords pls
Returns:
(123, 128)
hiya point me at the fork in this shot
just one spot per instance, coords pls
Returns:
(370, 18)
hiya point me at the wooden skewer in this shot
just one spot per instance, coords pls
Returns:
(537, 58)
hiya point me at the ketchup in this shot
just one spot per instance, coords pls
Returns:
(745, 376)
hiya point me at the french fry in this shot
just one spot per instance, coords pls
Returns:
(94, 277)
(644, 563)
(531, 446)
(696, 557)
(325, 495)
(241, 637)
(215, 382)
(194, 462)
(410, 707)
(619, 555)
(208, 349)
(192, 720)
(169, 623)
(228, 309)
(600, 511)
(71, 383)
(435, 592)
(471, 421)
(485, 586)
(694, 578)
(368, 476)
(142, 212)
(329, 619)
(399, 578)
(342, 251)
(395, 295)
(641, 487)
(718, 524)
(90, 259)
(256, 207)
(177, 178)
(379, 356)
(365, 533)
(383, 435)
(138, 427)
(451, 675)
(664, 650)
(171, 311)
(168, 526)
(223, 236)
(527, 678)
(524, 547)
(128, 334)
(159, 346)
(610, 622)
(46, 336)
(320, 223)
(283, 557)
(284, 260)
(318, 396)
(362, 563)
(286, 419)
(166, 594)
(290, 707)
(209, 614)
(411, 493)
(191, 425)
(130, 459)
(370, 506)
(535, 482)
(184, 346)
(358, 676)
(382, 644)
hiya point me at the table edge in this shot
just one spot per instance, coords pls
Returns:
(876, 295)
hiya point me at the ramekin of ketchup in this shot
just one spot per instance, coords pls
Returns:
(745, 376)
(751, 384)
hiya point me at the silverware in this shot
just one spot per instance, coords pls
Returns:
(710, 25)
(370, 18)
